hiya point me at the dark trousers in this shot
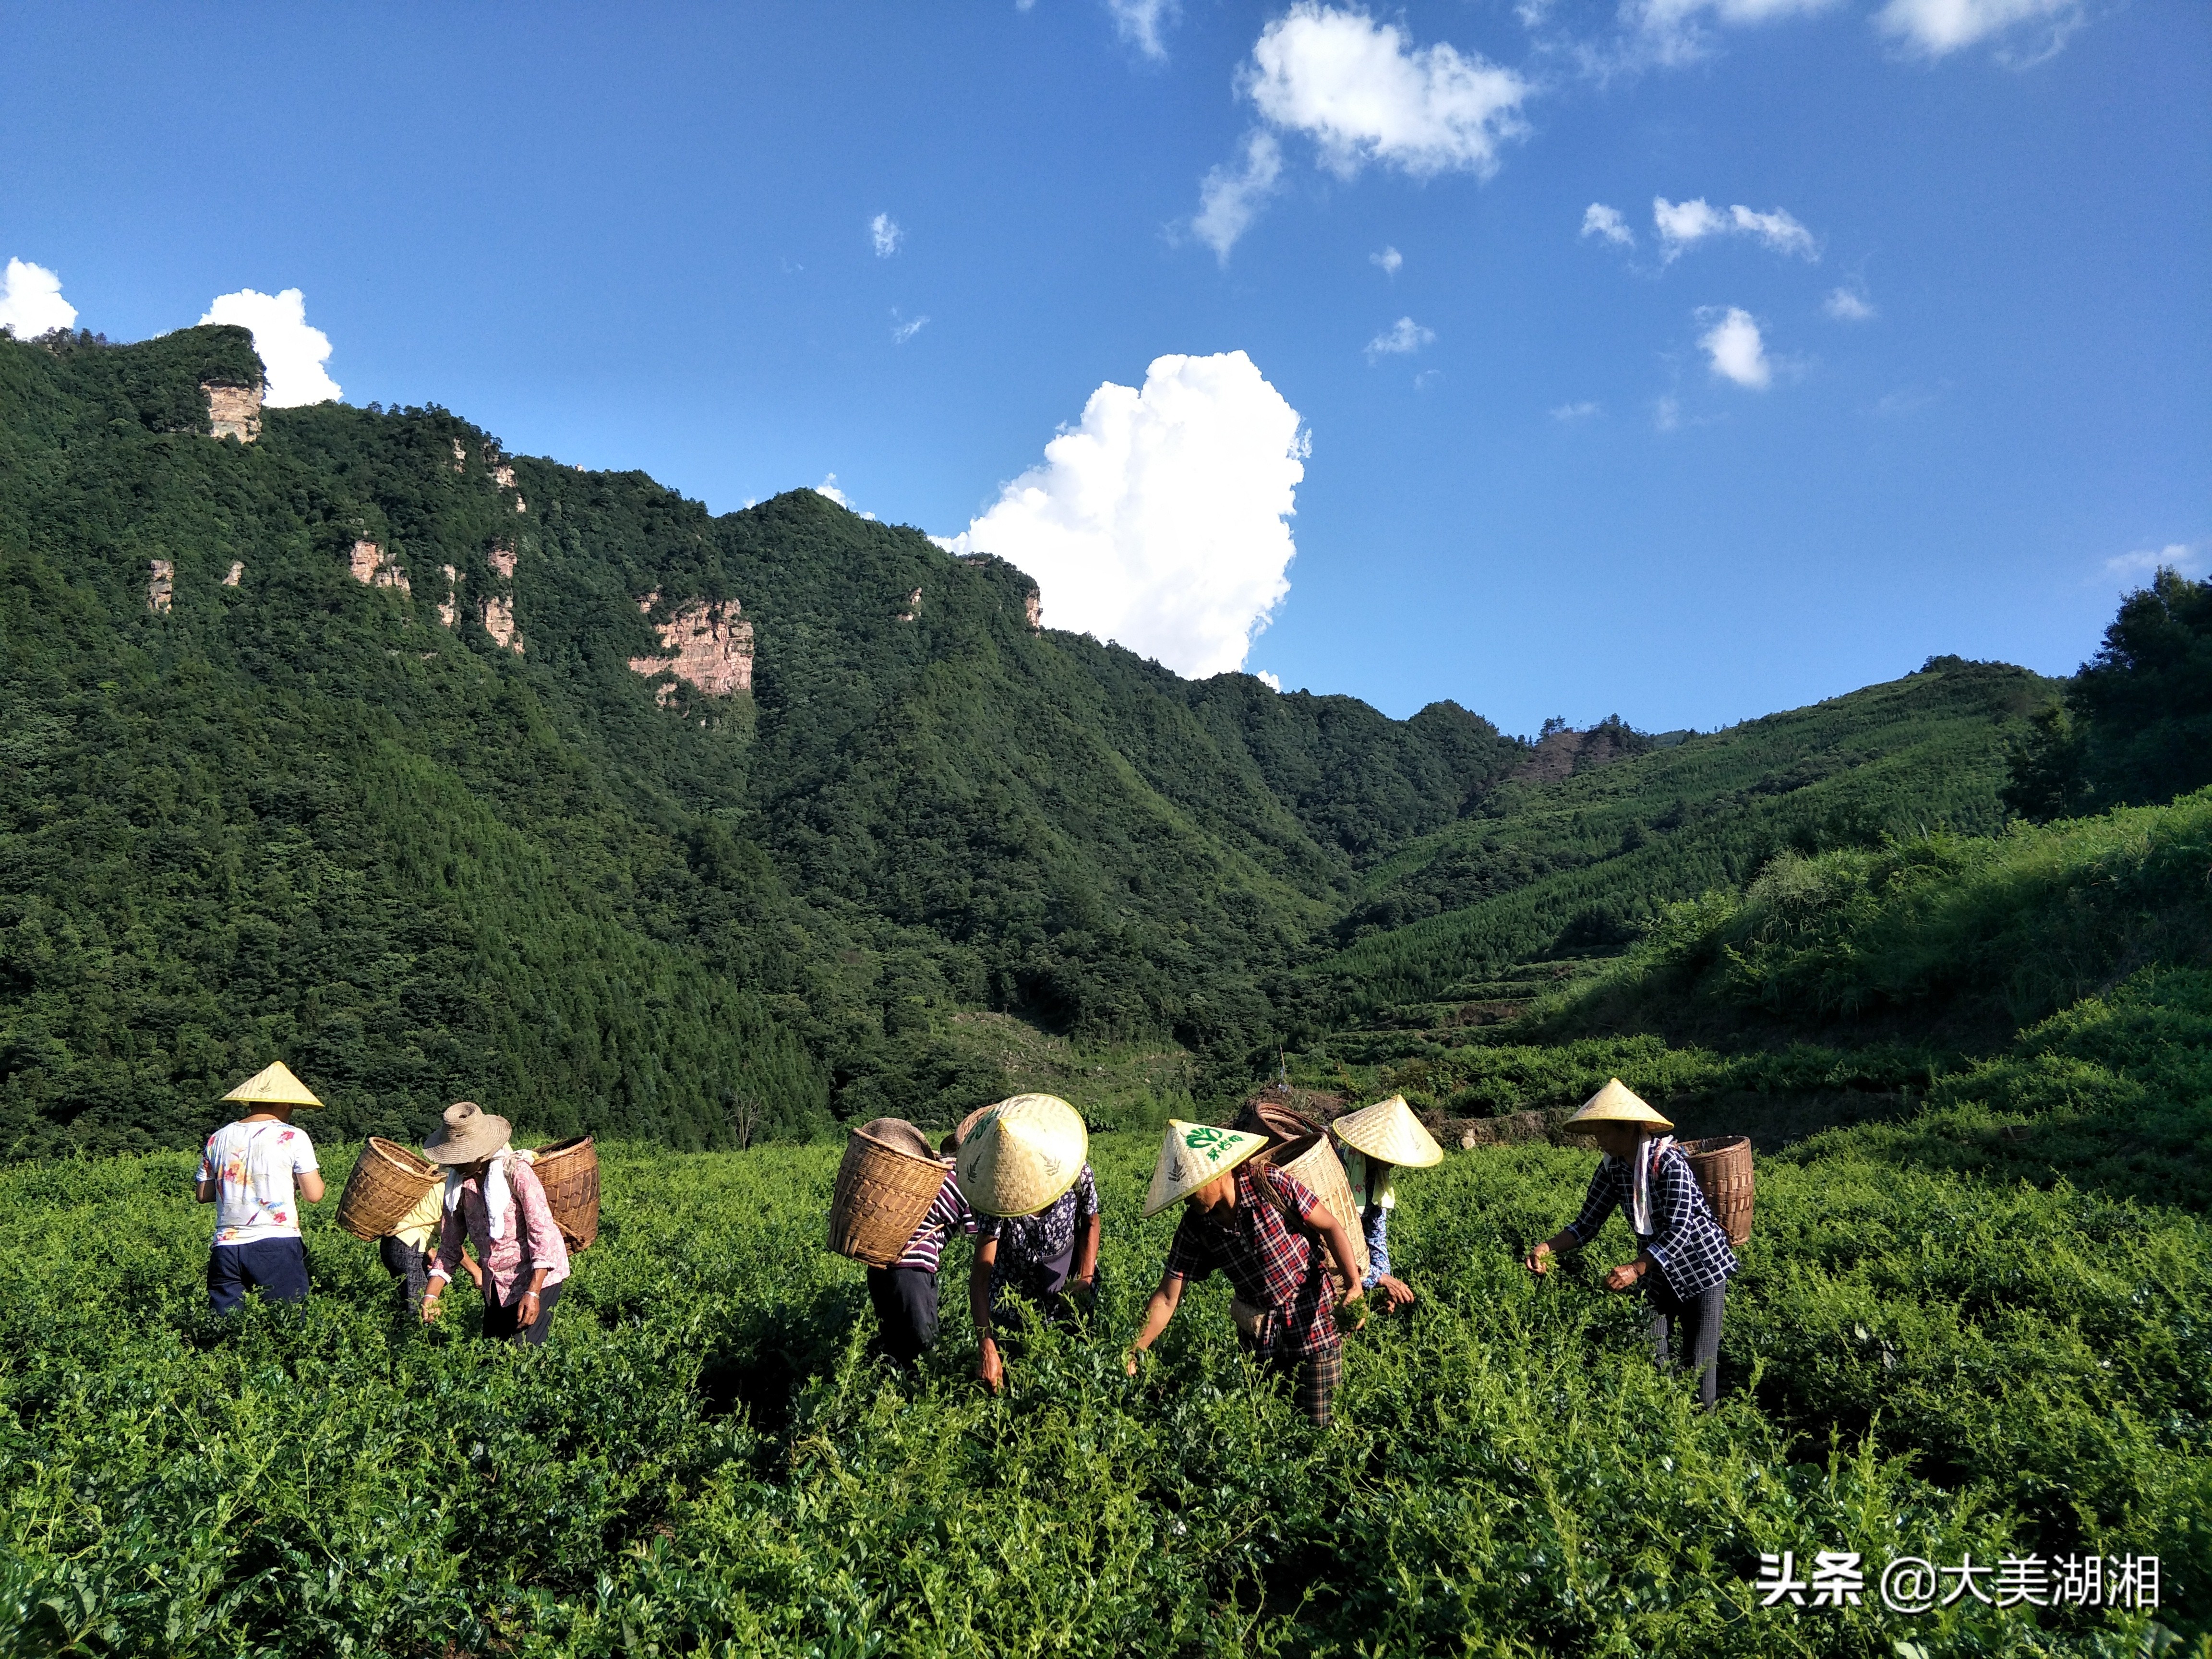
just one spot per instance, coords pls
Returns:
(905, 1300)
(1699, 1317)
(503, 1320)
(277, 1267)
(410, 1266)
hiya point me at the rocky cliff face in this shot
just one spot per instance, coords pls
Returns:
(160, 585)
(449, 608)
(372, 568)
(234, 411)
(707, 644)
(499, 623)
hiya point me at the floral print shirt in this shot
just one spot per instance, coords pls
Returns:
(1036, 1252)
(533, 1239)
(251, 1165)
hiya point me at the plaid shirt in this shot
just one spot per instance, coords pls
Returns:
(1688, 1244)
(1272, 1266)
(946, 1211)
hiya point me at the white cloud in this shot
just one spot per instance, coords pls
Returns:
(1673, 31)
(1938, 28)
(1272, 682)
(291, 353)
(1666, 414)
(1680, 224)
(1229, 199)
(1363, 92)
(1402, 337)
(1576, 411)
(1138, 22)
(884, 231)
(1159, 518)
(30, 303)
(1599, 220)
(2145, 563)
(1390, 261)
(904, 331)
(1736, 350)
(1849, 305)
(828, 486)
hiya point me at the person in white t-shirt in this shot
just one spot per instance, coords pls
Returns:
(255, 1171)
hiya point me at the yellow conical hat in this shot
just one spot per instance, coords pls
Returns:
(1388, 1131)
(1021, 1155)
(274, 1085)
(1192, 1155)
(1618, 1103)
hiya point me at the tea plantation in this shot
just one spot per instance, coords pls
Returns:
(706, 1460)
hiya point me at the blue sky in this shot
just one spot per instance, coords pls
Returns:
(645, 237)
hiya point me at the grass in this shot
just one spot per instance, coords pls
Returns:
(706, 1461)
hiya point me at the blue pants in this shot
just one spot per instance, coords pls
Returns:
(1375, 1222)
(277, 1267)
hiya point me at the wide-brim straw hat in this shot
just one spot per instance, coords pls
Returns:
(471, 1133)
(1193, 1154)
(1618, 1103)
(1021, 1155)
(1388, 1131)
(274, 1085)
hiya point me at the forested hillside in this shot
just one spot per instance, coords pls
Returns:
(411, 817)
(363, 744)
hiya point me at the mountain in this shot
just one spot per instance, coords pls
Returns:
(344, 735)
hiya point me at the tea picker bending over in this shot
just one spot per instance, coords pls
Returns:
(1684, 1262)
(1379, 1141)
(248, 1170)
(493, 1198)
(412, 1244)
(1262, 1228)
(1022, 1165)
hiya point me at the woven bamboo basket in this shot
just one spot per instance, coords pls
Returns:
(570, 1172)
(1316, 1163)
(885, 1188)
(1722, 1165)
(388, 1182)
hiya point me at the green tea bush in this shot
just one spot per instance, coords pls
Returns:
(706, 1460)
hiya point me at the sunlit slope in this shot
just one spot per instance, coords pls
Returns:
(1579, 865)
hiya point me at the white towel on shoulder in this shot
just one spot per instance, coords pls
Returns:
(1639, 1182)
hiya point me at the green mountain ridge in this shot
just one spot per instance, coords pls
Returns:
(303, 815)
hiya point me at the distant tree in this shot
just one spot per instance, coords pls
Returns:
(2135, 727)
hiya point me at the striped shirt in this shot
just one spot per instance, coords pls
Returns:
(1686, 1243)
(946, 1211)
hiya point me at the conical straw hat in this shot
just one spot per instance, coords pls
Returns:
(274, 1085)
(1022, 1154)
(1388, 1131)
(1192, 1155)
(1618, 1103)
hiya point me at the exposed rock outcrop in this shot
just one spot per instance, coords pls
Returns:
(706, 644)
(913, 607)
(503, 476)
(460, 456)
(234, 411)
(499, 623)
(373, 568)
(237, 571)
(160, 585)
(449, 608)
(503, 560)
(1033, 608)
